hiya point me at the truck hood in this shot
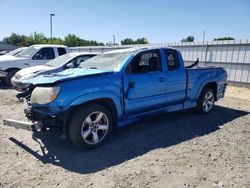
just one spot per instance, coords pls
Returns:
(6, 58)
(8, 61)
(67, 74)
(34, 70)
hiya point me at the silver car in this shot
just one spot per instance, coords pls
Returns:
(69, 60)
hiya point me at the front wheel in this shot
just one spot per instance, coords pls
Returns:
(206, 101)
(9, 76)
(90, 126)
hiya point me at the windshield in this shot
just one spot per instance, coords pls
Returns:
(60, 60)
(109, 61)
(14, 52)
(28, 52)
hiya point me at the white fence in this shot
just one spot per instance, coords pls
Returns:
(233, 55)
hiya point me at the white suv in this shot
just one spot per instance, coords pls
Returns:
(34, 55)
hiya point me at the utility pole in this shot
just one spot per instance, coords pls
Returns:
(51, 27)
(113, 39)
(203, 45)
(203, 38)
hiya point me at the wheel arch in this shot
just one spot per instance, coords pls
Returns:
(12, 69)
(212, 85)
(106, 102)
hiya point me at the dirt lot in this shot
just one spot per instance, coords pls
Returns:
(181, 149)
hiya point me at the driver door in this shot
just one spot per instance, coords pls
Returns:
(144, 83)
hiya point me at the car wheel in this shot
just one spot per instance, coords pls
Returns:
(206, 101)
(9, 76)
(90, 126)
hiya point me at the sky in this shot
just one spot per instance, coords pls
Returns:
(159, 21)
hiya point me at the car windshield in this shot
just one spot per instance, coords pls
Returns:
(59, 61)
(28, 52)
(109, 61)
(15, 52)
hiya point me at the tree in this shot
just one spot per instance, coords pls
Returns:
(73, 40)
(55, 41)
(39, 38)
(137, 41)
(15, 39)
(224, 38)
(188, 39)
(142, 41)
(22, 40)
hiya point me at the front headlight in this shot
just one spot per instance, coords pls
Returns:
(44, 95)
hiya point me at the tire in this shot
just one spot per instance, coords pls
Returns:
(85, 129)
(9, 76)
(206, 101)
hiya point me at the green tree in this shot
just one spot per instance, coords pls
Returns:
(142, 41)
(15, 39)
(39, 38)
(137, 41)
(224, 38)
(188, 39)
(73, 40)
(55, 40)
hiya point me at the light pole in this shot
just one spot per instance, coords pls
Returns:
(51, 27)
(113, 39)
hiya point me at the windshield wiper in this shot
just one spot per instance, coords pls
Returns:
(92, 68)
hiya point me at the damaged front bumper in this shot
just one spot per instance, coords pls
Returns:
(30, 126)
(40, 117)
(49, 116)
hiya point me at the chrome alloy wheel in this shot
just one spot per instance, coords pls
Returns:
(208, 101)
(95, 127)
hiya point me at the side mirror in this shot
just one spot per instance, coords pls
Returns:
(37, 57)
(69, 66)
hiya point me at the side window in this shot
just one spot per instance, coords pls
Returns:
(44, 54)
(172, 59)
(61, 51)
(145, 62)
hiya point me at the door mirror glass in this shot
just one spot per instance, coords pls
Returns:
(69, 65)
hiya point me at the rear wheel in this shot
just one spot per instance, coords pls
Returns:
(206, 101)
(90, 126)
(9, 76)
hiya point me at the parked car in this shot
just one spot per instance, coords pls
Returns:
(3, 52)
(117, 88)
(14, 52)
(69, 60)
(33, 55)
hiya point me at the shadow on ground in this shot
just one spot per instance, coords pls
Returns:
(129, 142)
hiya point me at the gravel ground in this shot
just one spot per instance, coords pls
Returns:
(180, 149)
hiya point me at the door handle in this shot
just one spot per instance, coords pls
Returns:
(161, 79)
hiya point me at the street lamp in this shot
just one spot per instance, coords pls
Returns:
(51, 27)
(113, 39)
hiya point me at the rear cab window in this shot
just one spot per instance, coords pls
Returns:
(172, 59)
(61, 51)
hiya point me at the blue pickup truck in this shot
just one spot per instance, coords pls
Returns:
(120, 87)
